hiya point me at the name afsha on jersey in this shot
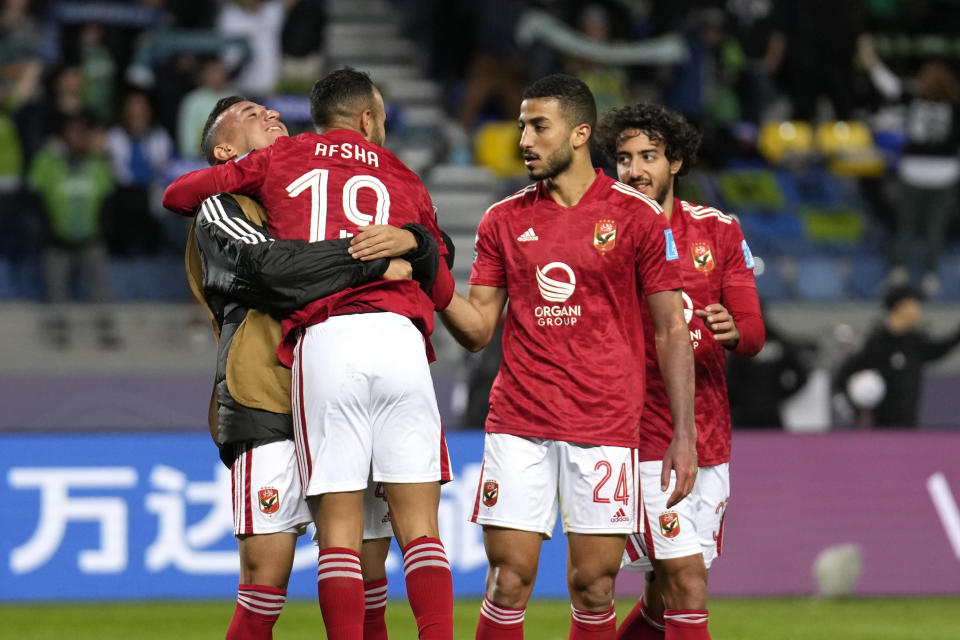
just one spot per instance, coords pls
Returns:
(348, 151)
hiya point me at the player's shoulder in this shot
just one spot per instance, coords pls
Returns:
(710, 215)
(626, 197)
(514, 202)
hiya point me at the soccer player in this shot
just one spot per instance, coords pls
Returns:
(651, 146)
(242, 275)
(362, 393)
(576, 253)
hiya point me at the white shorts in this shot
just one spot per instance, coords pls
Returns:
(267, 495)
(693, 526)
(363, 401)
(376, 513)
(525, 481)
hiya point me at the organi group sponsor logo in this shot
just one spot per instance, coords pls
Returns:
(558, 292)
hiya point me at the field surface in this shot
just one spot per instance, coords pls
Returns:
(733, 619)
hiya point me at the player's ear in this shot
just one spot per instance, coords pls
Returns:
(580, 135)
(366, 124)
(675, 166)
(223, 152)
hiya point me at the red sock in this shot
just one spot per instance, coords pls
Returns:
(340, 592)
(686, 624)
(593, 626)
(429, 588)
(499, 623)
(375, 594)
(640, 625)
(258, 607)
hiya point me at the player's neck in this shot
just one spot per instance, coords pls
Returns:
(667, 205)
(568, 187)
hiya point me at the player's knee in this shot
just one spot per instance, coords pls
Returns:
(591, 590)
(684, 585)
(510, 585)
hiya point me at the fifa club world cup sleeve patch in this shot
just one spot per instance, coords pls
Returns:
(747, 254)
(672, 253)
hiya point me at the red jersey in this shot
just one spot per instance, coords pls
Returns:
(322, 187)
(714, 257)
(572, 365)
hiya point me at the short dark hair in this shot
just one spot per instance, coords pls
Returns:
(208, 138)
(576, 100)
(895, 295)
(680, 139)
(340, 94)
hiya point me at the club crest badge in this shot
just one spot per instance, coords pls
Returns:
(605, 235)
(491, 491)
(269, 500)
(669, 524)
(702, 257)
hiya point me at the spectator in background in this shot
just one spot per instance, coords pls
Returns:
(213, 81)
(762, 45)
(99, 73)
(20, 71)
(608, 83)
(65, 98)
(497, 70)
(261, 21)
(820, 40)
(139, 151)
(72, 176)
(896, 352)
(929, 169)
(758, 386)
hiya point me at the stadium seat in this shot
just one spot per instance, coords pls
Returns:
(8, 287)
(950, 277)
(821, 279)
(867, 271)
(770, 284)
(497, 147)
(830, 225)
(849, 149)
(786, 141)
(751, 189)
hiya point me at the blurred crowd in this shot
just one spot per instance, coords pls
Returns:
(102, 103)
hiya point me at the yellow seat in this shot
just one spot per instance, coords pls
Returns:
(849, 149)
(497, 147)
(785, 141)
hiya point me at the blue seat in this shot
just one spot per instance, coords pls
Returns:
(770, 284)
(950, 277)
(8, 289)
(821, 279)
(867, 271)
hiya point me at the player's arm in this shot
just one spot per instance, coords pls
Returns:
(473, 320)
(413, 242)
(242, 261)
(186, 193)
(736, 322)
(675, 358)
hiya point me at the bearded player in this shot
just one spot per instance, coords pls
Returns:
(577, 254)
(651, 146)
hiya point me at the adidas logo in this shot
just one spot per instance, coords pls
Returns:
(620, 516)
(528, 236)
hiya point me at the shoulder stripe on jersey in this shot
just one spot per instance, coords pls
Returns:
(700, 212)
(236, 228)
(527, 189)
(630, 191)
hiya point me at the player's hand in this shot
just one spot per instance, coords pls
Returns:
(681, 459)
(720, 323)
(398, 269)
(382, 241)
